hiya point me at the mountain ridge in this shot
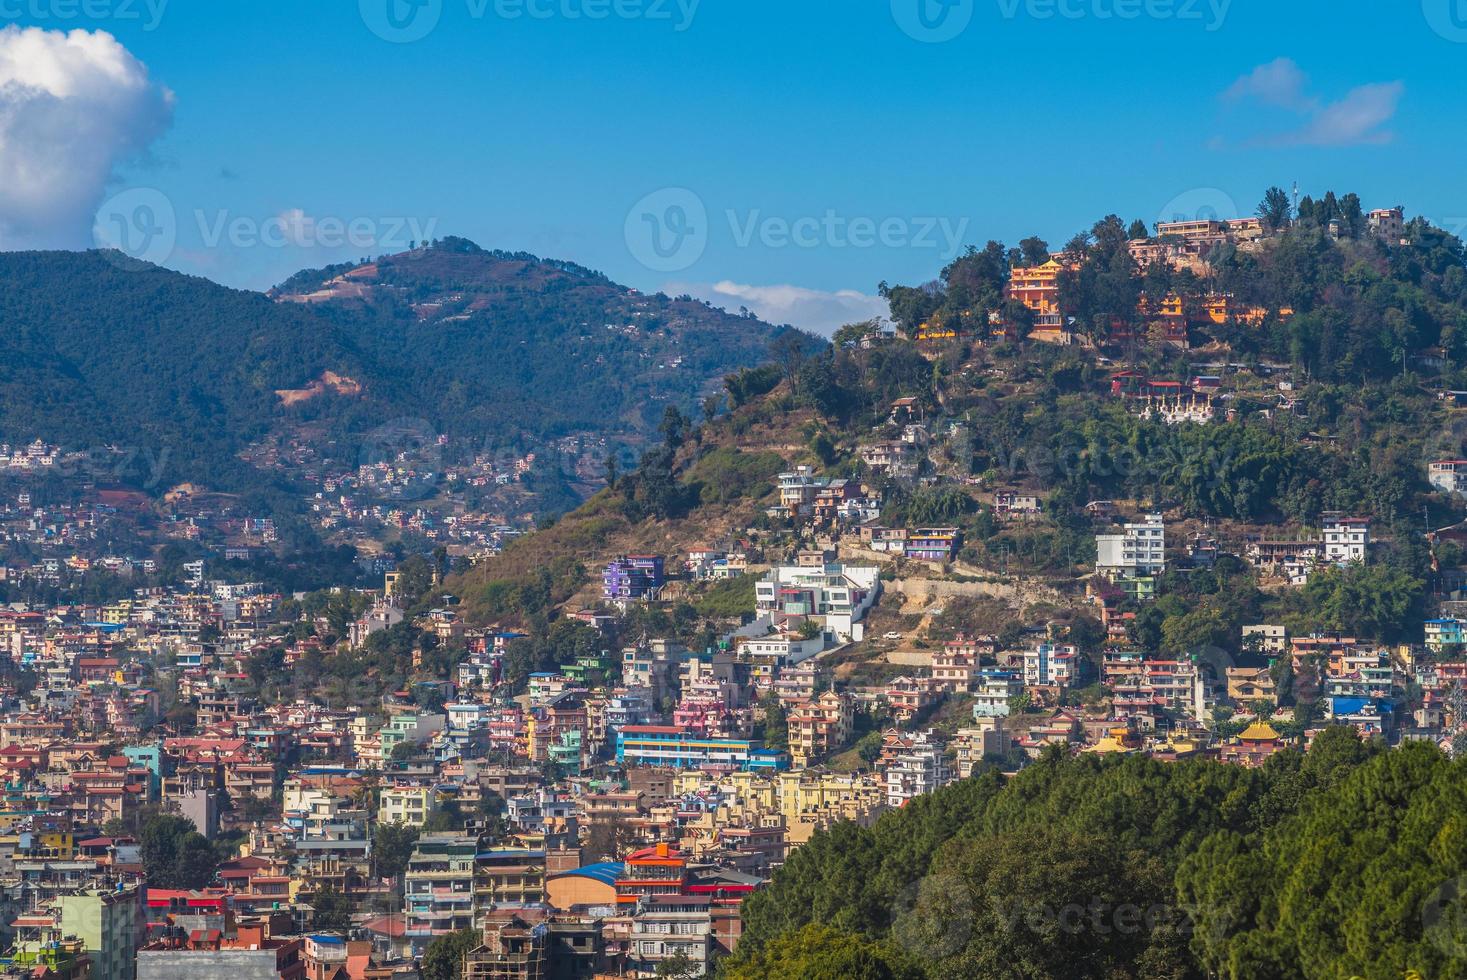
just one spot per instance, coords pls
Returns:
(496, 347)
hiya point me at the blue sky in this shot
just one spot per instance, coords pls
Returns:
(798, 152)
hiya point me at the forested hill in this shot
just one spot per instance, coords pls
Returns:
(508, 339)
(1329, 392)
(1342, 862)
(98, 350)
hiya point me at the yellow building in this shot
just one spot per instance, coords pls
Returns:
(935, 331)
(1117, 740)
(410, 806)
(1221, 309)
(118, 613)
(807, 800)
(1037, 287)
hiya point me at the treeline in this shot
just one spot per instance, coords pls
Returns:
(1361, 306)
(1340, 862)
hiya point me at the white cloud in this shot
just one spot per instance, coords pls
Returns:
(72, 107)
(1280, 82)
(809, 309)
(1356, 119)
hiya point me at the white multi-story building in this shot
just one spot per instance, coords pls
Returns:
(797, 489)
(1448, 475)
(840, 595)
(1138, 551)
(1051, 665)
(779, 649)
(438, 889)
(993, 691)
(1345, 539)
(972, 745)
(915, 769)
(1269, 637)
(670, 927)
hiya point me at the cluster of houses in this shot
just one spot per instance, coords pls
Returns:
(848, 507)
(473, 505)
(610, 814)
(577, 768)
(1183, 244)
(1131, 555)
(1163, 702)
(1340, 541)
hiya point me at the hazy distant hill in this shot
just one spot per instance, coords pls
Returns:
(95, 350)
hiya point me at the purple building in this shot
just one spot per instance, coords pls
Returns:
(631, 578)
(937, 544)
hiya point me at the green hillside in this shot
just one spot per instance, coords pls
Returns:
(503, 349)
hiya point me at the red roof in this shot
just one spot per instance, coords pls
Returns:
(393, 926)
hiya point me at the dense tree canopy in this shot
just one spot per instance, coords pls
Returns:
(443, 960)
(175, 854)
(1366, 878)
(1342, 861)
